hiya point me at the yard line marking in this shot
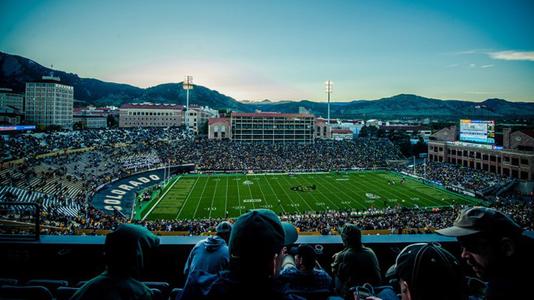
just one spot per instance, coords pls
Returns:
(311, 209)
(154, 206)
(274, 193)
(226, 199)
(213, 197)
(295, 205)
(327, 182)
(201, 195)
(186, 198)
(322, 194)
(238, 195)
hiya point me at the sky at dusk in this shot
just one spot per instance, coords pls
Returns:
(286, 50)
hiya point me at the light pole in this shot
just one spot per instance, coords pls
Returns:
(187, 85)
(329, 87)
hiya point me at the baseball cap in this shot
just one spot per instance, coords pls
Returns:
(223, 227)
(258, 232)
(481, 219)
(304, 250)
(427, 265)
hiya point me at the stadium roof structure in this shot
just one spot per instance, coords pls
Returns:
(271, 115)
(151, 106)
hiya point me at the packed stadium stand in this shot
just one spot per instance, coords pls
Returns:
(62, 171)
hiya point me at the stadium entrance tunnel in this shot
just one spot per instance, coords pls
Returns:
(119, 195)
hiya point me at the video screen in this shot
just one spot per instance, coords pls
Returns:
(477, 131)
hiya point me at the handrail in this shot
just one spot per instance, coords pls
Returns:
(37, 217)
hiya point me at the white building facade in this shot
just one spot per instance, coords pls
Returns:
(49, 102)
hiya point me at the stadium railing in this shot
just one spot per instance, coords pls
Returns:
(78, 258)
(20, 220)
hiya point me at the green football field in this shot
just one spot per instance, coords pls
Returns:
(221, 196)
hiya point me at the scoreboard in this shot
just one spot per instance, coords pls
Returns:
(477, 131)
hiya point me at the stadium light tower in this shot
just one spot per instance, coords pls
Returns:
(187, 85)
(329, 87)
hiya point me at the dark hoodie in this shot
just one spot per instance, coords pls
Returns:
(356, 264)
(124, 251)
(209, 255)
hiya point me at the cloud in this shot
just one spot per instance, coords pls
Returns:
(486, 66)
(467, 52)
(472, 65)
(512, 55)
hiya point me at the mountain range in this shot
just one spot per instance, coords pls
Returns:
(15, 71)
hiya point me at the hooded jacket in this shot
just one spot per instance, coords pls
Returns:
(209, 255)
(356, 264)
(125, 249)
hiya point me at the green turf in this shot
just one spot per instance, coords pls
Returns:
(200, 197)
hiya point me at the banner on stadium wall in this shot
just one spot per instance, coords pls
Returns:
(119, 195)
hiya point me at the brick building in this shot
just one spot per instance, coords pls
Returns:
(514, 159)
(150, 115)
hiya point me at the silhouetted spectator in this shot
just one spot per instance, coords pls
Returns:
(125, 250)
(356, 264)
(497, 251)
(256, 240)
(211, 254)
(304, 272)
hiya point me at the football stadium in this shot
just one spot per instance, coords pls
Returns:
(199, 150)
(223, 196)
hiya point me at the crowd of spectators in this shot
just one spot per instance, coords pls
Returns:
(394, 220)
(227, 155)
(454, 175)
(72, 176)
(30, 145)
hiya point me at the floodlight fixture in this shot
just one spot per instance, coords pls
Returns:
(187, 85)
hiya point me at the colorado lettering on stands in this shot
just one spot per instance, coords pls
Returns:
(113, 200)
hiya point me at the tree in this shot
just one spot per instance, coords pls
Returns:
(52, 128)
(420, 147)
(113, 121)
(363, 132)
(77, 125)
(203, 129)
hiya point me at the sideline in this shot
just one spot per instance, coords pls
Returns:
(156, 204)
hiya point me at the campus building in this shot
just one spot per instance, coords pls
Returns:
(49, 102)
(339, 134)
(322, 130)
(272, 127)
(268, 127)
(90, 117)
(197, 116)
(515, 158)
(150, 115)
(219, 129)
(9, 98)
